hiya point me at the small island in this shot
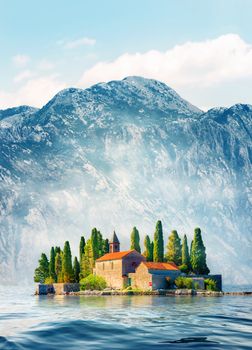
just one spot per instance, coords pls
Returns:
(103, 269)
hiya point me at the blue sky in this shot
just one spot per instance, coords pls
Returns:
(202, 49)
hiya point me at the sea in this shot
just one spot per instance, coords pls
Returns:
(123, 322)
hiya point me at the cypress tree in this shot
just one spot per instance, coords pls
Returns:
(105, 246)
(58, 267)
(67, 268)
(158, 247)
(42, 271)
(174, 248)
(57, 250)
(147, 245)
(95, 244)
(198, 254)
(76, 270)
(81, 247)
(151, 251)
(191, 250)
(52, 264)
(135, 240)
(100, 244)
(87, 262)
(185, 255)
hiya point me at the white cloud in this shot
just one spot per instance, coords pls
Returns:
(24, 75)
(35, 92)
(193, 64)
(206, 73)
(78, 42)
(45, 65)
(20, 60)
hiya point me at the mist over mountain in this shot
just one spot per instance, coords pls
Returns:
(123, 154)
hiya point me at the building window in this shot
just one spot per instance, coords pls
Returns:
(134, 264)
(103, 266)
(112, 265)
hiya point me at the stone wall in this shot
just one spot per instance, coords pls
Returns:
(141, 278)
(131, 262)
(63, 288)
(43, 289)
(145, 279)
(199, 281)
(111, 271)
(217, 278)
(57, 288)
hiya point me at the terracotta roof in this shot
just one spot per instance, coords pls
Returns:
(115, 256)
(160, 266)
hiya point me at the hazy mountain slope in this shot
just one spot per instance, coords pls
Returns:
(121, 154)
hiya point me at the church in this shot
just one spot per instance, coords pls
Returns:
(129, 268)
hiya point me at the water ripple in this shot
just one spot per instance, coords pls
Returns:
(122, 322)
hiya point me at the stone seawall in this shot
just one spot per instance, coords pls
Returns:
(57, 288)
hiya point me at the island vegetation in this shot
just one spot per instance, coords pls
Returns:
(61, 267)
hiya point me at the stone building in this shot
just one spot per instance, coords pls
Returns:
(115, 266)
(129, 268)
(153, 275)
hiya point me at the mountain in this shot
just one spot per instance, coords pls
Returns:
(123, 154)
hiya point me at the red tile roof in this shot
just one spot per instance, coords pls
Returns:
(115, 256)
(160, 266)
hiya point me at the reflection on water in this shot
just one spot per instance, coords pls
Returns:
(123, 322)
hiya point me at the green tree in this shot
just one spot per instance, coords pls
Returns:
(191, 251)
(76, 270)
(42, 271)
(87, 262)
(58, 267)
(105, 246)
(174, 248)
(135, 240)
(198, 254)
(158, 246)
(148, 249)
(185, 255)
(151, 251)
(52, 264)
(67, 268)
(93, 282)
(100, 244)
(81, 247)
(95, 240)
(57, 250)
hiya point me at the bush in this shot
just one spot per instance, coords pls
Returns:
(93, 282)
(184, 268)
(184, 282)
(196, 285)
(188, 283)
(49, 280)
(210, 284)
(129, 288)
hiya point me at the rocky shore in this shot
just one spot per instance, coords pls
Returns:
(172, 292)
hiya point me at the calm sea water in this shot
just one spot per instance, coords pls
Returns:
(123, 322)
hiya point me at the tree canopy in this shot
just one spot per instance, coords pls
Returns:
(198, 254)
(158, 246)
(174, 248)
(135, 240)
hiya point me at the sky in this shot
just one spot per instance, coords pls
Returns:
(200, 48)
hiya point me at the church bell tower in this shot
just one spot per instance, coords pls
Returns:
(114, 244)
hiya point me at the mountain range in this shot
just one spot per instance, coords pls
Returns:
(122, 154)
